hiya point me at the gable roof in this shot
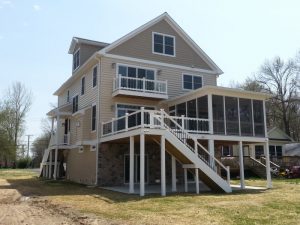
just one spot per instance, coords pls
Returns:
(78, 40)
(165, 16)
(277, 134)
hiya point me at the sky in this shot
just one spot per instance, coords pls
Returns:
(35, 36)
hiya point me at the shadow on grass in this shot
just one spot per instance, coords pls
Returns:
(39, 187)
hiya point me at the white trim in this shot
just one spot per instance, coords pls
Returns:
(139, 94)
(164, 35)
(131, 104)
(193, 75)
(93, 131)
(158, 63)
(74, 69)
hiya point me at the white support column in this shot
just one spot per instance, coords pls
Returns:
(55, 163)
(142, 164)
(211, 148)
(241, 158)
(210, 114)
(197, 180)
(268, 169)
(131, 165)
(185, 180)
(163, 164)
(174, 188)
(50, 165)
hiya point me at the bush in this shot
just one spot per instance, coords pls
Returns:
(23, 163)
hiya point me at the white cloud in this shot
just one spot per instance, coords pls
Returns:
(1, 37)
(36, 7)
(6, 2)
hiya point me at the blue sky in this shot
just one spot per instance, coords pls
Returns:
(238, 35)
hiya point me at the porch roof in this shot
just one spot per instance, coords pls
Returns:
(217, 90)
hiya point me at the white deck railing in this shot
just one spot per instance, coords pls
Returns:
(161, 120)
(140, 84)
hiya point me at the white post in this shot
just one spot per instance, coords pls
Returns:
(162, 118)
(174, 189)
(197, 180)
(182, 122)
(142, 116)
(241, 158)
(211, 148)
(50, 165)
(144, 84)
(196, 146)
(55, 163)
(210, 114)
(185, 180)
(131, 167)
(163, 164)
(268, 169)
(126, 121)
(228, 174)
(142, 164)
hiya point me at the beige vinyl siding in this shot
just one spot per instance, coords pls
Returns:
(83, 131)
(172, 75)
(81, 167)
(140, 47)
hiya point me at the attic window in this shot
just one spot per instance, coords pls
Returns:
(76, 60)
(163, 44)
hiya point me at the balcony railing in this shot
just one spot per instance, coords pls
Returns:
(62, 140)
(140, 85)
(151, 119)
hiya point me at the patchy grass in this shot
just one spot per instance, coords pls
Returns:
(280, 205)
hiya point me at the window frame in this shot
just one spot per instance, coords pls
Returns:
(136, 67)
(164, 35)
(82, 86)
(94, 130)
(76, 95)
(95, 85)
(192, 75)
(77, 66)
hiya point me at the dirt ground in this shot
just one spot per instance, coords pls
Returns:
(18, 209)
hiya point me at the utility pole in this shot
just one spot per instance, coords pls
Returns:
(28, 146)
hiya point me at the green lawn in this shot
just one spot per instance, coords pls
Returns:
(280, 205)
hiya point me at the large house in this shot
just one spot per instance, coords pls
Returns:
(146, 109)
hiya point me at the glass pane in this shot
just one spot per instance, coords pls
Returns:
(272, 150)
(218, 114)
(202, 107)
(169, 41)
(181, 109)
(150, 74)
(131, 72)
(158, 39)
(141, 73)
(232, 120)
(158, 48)
(246, 117)
(169, 50)
(123, 70)
(279, 151)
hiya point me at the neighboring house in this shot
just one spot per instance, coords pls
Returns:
(150, 92)
(281, 155)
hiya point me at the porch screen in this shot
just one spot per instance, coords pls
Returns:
(246, 117)
(258, 115)
(218, 114)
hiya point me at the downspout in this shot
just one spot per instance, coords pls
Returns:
(98, 118)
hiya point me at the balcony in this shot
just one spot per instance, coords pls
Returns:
(140, 87)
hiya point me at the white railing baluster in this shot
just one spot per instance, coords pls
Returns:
(162, 118)
(228, 174)
(142, 116)
(126, 121)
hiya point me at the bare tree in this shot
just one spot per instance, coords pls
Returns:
(16, 105)
(281, 79)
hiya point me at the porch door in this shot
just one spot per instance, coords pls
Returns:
(136, 169)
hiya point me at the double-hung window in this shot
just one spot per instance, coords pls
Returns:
(95, 76)
(75, 104)
(82, 86)
(76, 60)
(94, 112)
(191, 82)
(163, 44)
